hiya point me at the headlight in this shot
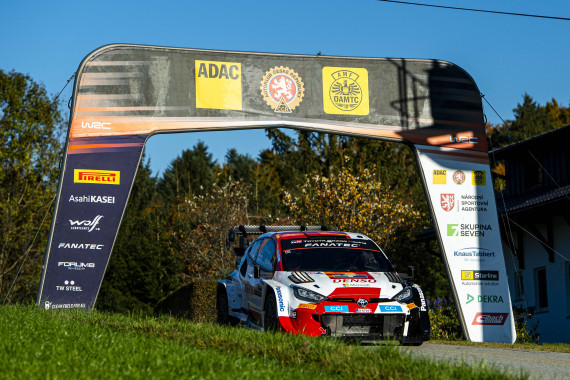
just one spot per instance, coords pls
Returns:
(307, 295)
(404, 296)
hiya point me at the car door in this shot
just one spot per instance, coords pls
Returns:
(246, 271)
(264, 261)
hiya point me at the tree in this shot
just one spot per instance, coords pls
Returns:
(531, 119)
(142, 268)
(191, 173)
(201, 225)
(30, 129)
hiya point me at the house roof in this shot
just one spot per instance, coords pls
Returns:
(556, 135)
(528, 201)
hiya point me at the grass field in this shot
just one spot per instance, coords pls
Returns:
(39, 344)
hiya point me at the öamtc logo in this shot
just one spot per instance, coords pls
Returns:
(108, 177)
(497, 319)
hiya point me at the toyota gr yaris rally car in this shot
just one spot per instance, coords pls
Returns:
(319, 283)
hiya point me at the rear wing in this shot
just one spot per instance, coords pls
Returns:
(245, 230)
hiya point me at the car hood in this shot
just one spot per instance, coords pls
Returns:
(330, 284)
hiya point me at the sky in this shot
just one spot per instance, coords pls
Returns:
(506, 55)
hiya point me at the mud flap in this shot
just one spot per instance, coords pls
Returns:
(419, 329)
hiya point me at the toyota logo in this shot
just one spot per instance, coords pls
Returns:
(362, 302)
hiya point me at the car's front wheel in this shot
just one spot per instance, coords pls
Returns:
(271, 317)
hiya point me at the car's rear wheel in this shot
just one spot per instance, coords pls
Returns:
(222, 307)
(271, 317)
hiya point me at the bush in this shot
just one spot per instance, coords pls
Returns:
(445, 324)
(195, 301)
(443, 319)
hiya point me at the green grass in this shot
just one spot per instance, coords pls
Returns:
(35, 343)
(547, 347)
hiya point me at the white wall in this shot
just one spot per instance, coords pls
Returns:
(553, 323)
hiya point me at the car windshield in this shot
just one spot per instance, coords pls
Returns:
(339, 255)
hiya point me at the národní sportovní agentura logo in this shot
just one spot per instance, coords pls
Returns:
(282, 89)
(447, 201)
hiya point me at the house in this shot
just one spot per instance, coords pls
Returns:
(534, 213)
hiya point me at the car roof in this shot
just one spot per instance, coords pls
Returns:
(315, 234)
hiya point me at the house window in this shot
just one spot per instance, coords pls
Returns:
(540, 290)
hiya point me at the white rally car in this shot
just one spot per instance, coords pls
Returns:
(306, 280)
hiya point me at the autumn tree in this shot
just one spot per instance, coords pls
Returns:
(30, 150)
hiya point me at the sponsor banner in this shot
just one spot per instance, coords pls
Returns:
(90, 207)
(345, 91)
(389, 309)
(465, 214)
(218, 85)
(336, 309)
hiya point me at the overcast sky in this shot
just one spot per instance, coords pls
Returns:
(506, 55)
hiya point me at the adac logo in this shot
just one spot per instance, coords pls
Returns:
(218, 85)
(458, 177)
(108, 177)
(447, 201)
(345, 91)
(282, 89)
(439, 176)
(478, 178)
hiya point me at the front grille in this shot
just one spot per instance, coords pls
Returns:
(379, 326)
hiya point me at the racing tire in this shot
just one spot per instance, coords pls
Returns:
(271, 318)
(222, 308)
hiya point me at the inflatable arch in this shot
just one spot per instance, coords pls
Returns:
(126, 93)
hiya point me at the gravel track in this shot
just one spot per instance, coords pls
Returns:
(537, 364)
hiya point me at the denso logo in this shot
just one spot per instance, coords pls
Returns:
(109, 177)
(353, 280)
(95, 125)
(490, 319)
(463, 140)
(85, 225)
(280, 299)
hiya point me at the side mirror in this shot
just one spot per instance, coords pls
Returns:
(256, 271)
(243, 243)
(411, 270)
(230, 238)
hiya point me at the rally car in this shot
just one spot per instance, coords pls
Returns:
(307, 280)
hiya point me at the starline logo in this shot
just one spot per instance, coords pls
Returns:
(86, 225)
(108, 177)
(497, 319)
